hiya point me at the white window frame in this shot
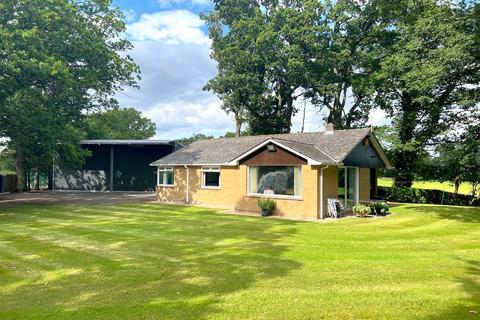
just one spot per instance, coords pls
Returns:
(356, 199)
(164, 182)
(275, 196)
(207, 169)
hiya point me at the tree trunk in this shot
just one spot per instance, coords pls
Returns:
(50, 178)
(238, 122)
(20, 169)
(37, 179)
(406, 156)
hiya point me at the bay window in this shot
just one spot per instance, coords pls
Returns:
(275, 180)
(165, 176)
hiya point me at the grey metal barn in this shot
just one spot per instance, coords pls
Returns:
(115, 165)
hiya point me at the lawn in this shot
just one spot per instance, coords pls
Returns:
(465, 188)
(151, 261)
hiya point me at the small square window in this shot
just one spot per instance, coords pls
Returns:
(165, 176)
(211, 177)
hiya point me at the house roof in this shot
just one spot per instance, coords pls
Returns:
(316, 147)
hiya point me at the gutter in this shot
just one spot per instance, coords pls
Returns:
(321, 192)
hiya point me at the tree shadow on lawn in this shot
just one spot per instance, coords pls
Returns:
(133, 262)
(468, 308)
(464, 214)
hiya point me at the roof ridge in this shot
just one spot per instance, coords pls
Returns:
(310, 144)
(325, 153)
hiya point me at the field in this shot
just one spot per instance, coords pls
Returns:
(149, 261)
(465, 188)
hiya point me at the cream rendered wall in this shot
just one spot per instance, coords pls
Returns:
(232, 193)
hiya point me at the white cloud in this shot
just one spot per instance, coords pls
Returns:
(169, 3)
(183, 118)
(175, 66)
(170, 27)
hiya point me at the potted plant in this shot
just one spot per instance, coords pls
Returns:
(267, 206)
(361, 210)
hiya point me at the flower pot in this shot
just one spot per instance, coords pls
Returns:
(265, 213)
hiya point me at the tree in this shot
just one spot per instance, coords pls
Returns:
(458, 159)
(192, 139)
(429, 82)
(260, 63)
(126, 123)
(353, 39)
(270, 53)
(58, 60)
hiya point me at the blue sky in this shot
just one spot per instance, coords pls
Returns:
(171, 46)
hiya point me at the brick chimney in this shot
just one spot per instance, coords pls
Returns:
(329, 128)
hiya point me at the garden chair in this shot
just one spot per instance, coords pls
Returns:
(335, 208)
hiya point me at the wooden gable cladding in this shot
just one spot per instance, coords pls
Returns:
(278, 157)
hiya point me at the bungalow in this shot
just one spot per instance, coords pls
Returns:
(300, 171)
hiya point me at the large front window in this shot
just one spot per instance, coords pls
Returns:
(274, 180)
(348, 186)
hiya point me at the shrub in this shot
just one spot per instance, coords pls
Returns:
(380, 208)
(266, 204)
(361, 210)
(412, 195)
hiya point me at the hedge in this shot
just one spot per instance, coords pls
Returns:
(413, 195)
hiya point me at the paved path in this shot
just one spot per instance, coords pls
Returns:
(56, 197)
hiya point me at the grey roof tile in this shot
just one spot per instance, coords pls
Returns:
(319, 146)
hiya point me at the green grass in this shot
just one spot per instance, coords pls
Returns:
(165, 262)
(465, 188)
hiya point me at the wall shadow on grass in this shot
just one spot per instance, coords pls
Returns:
(132, 261)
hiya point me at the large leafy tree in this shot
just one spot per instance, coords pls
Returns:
(261, 63)
(58, 59)
(123, 123)
(430, 81)
(270, 53)
(352, 39)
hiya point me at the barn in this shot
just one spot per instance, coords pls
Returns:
(114, 165)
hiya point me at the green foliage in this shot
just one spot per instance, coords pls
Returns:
(379, 207)
(266, 204)
(59, 59)
(126, 123)
(7, 162)
(413, 195)
(361, 210)
(429, 81)
(270, 53)
(192, 139)
(407, 195)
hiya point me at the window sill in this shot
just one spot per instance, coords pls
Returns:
(274, 196)
(166, 185)
(210, 188)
